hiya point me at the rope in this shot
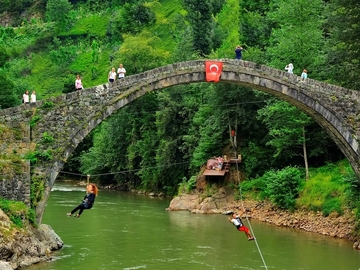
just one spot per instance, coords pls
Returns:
(127, 171)
(247, 219)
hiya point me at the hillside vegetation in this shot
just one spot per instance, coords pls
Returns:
(163, 138)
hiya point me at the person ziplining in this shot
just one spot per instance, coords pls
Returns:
(236, 220)
(88, 201)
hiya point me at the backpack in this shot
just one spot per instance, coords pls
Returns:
(240, 221)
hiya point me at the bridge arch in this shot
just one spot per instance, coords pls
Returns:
(70, 118)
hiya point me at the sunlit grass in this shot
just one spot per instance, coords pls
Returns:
(325, 190)
(94, 24)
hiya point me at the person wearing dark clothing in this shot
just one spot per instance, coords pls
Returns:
(238, 52)
(88, 201)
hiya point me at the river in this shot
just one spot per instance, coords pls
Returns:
(131, 231)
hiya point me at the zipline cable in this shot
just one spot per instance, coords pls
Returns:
(247, 219)
(127, 171)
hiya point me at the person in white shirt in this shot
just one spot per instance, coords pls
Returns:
(33, 97)
(26, 97)
(112, 75)
(289, 68)
(236, 220)
(121, 71)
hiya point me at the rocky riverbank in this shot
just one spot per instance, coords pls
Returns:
(24, 247)
(223, 201)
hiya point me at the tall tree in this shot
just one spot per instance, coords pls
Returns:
(58, 11)
(344, 51)
(201, 20)
(287, 129)
(8, 97)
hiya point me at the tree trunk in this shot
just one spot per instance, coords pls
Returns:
(305, 156)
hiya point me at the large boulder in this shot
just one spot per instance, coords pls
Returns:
(5, 266)
(197, 203)
(23, 247)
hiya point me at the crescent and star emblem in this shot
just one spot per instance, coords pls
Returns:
(214, 66)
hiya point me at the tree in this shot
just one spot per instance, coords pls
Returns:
(286, 125)
(8, 97)
(142, 52)
(134, 17)
(200, 17)
(344, 48)
(58, 11)
(255, 27)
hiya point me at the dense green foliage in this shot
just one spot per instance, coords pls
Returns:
(330, 188)
(162, 139)
(18, 212)
(281, 187)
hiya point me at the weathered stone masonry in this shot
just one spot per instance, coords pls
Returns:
(59, 124)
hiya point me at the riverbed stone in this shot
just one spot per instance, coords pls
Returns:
(5, 266)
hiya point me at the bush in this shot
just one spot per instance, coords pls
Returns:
(135, 17)
(187, 186)
(257, 187)
(18, 212)
(283, 186)
(280, 187)
(332, 205)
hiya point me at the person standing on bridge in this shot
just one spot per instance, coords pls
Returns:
(25, 98)
(121, 71)
(88, 201)
(112, 75)
(304, 75)
(289, 68)
(33, 97)
(78, 83)
(238, 52)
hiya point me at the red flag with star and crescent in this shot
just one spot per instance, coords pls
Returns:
(213, 71)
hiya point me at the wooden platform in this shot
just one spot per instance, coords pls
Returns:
(225, 169)
(214, 172)
(233, 160)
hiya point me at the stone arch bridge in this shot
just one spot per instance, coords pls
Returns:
(49, 130)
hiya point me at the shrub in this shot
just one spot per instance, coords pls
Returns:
(34, 120)
(135, 17)
(18, 212)
(47, 105)
(257, 187)
(332, 205)
(36, 190)
(187, 186)
(283, 186)
(47, 138)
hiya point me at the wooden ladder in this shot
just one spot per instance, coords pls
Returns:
(226, 166)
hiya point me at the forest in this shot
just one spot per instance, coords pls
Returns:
(161, 141)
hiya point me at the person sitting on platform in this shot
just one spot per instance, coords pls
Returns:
(220, 163)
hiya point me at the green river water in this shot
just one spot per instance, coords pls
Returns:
(130, 231)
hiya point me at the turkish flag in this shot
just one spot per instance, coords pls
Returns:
(213, 71)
